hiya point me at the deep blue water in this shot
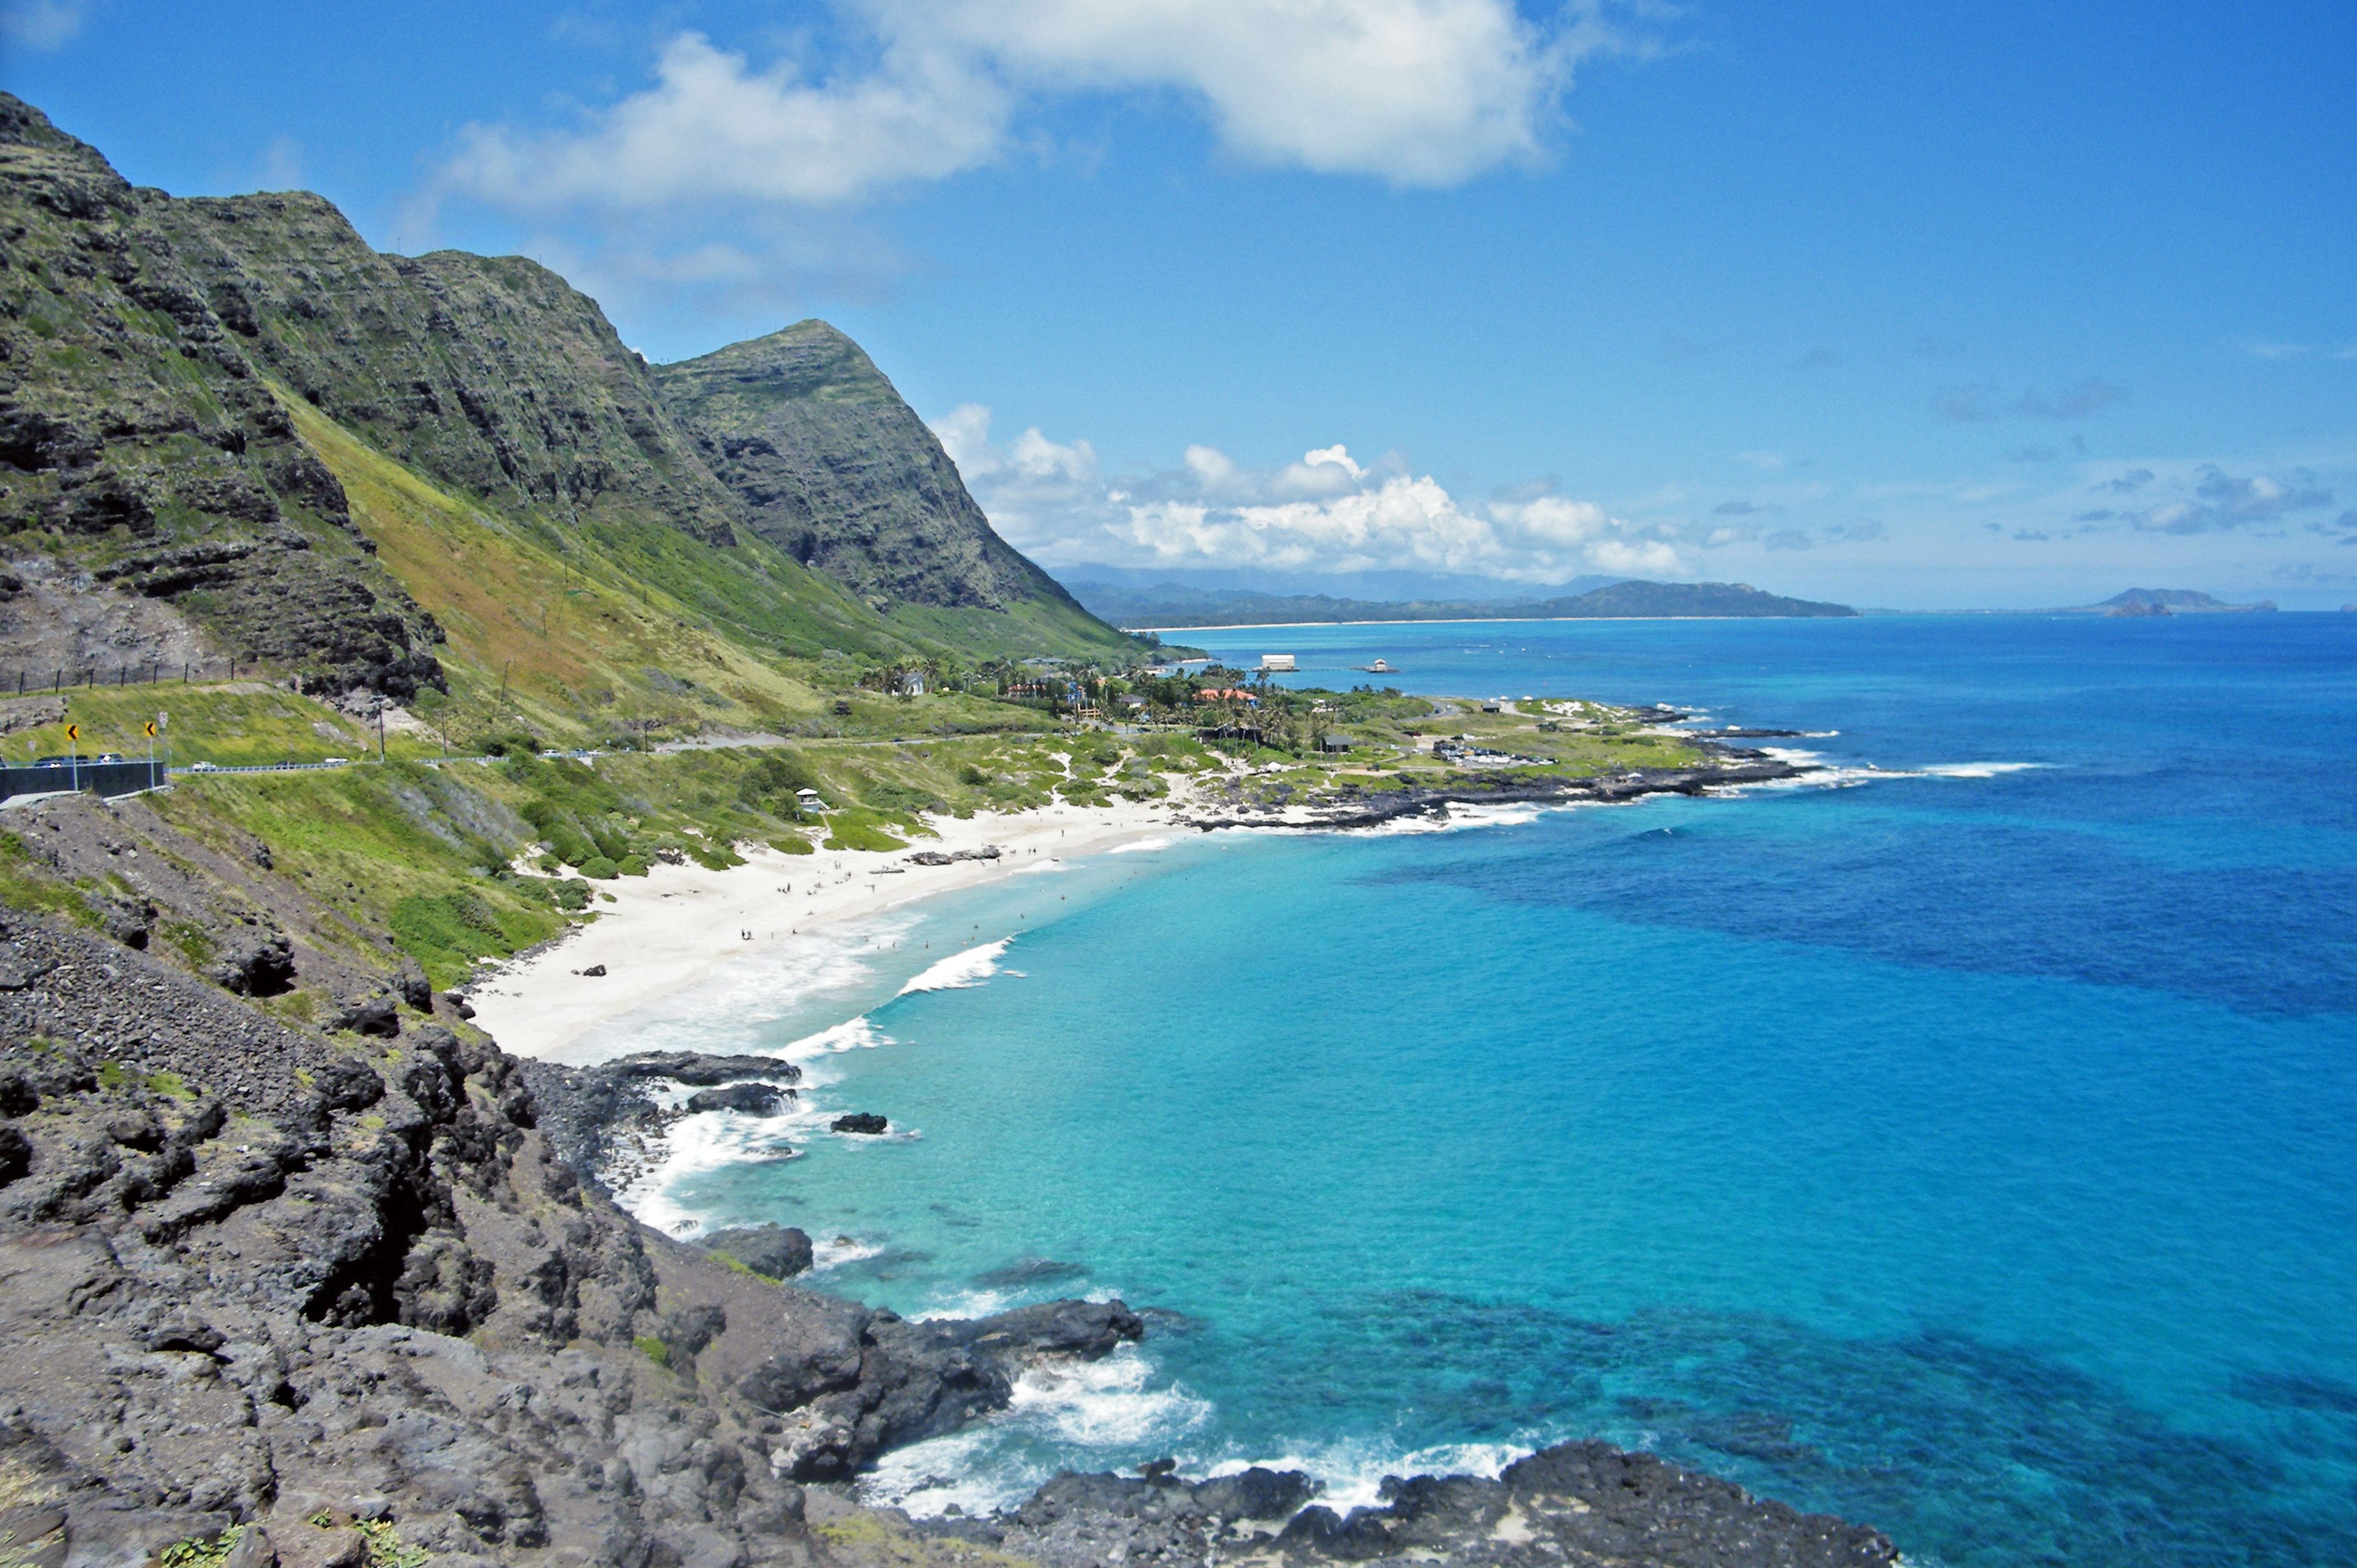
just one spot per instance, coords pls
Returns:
(1974, 1153)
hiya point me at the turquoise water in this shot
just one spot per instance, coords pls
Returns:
(1971, 1151)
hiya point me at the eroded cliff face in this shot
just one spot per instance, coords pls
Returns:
(490, 375)
(157, 503)
(148, 467)
(837, 470)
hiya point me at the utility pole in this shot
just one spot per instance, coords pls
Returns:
(380, 731)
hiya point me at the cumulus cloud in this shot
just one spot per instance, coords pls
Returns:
(1416, 92)
(1327, 511)
(714, 129)
(2221, 500)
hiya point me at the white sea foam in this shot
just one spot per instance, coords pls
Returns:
(1141, 845)
(698, 1144)
(1353, 1471)
(1977, 770)
(858, 1034)
(1459, 816)
(961, 971)
(833, 1251)
(1110, 1405)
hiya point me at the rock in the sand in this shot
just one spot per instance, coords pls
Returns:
(753, 1098)
(779, 1251)
(928, 857)
(864, 1122)
(595, 972)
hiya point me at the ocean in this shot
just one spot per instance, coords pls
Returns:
(1966, 1144)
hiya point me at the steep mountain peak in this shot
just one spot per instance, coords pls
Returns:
(809, 359)
(840, 473)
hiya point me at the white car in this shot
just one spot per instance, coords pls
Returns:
(336, 761)
(203, 767)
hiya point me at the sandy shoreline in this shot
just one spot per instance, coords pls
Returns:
(665, 931)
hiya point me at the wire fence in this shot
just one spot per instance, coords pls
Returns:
(58, 678)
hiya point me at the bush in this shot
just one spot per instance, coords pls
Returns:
(570, 845)
(630, 865)
(791, 843)
(972, 776)
(515, 743)
(571, 894)
(597, 868)
(446, 932)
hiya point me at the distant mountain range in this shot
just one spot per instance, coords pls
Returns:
(1173, 605)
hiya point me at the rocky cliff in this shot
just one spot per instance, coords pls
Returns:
(320, 1280)
(188, 386)
(141, 451)
(837, 471)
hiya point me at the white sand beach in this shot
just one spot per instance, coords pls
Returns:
(670, 929)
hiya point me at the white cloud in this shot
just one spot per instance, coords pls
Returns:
(41, 25)
(713, 129)
(1326, 512)
(1417, 93)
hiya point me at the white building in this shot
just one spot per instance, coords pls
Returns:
(1277, 662)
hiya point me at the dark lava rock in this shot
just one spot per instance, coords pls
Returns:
(595, 972)
(374, 1015)
(409, 984)
(591, 1114)
(695, 1067)
(255, 963)
(754, 1098)
(1582, 1504)
(458, 1004)
(862, 1122)
(16, 1153)
(779, 1251)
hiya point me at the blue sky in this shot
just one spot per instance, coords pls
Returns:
(1927, 306)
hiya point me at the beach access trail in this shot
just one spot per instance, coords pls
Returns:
(665, 931)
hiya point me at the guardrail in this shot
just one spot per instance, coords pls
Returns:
(99, 778)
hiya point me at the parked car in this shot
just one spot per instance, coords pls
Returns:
(203, 767)
(337, 761)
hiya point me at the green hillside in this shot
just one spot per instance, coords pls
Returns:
(229, 428)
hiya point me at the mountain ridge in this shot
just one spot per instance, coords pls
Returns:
(190, 389)
(1627, 599)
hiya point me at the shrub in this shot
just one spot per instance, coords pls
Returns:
(630, 865)
(597, 868)
(791, 843)
(572, 895)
